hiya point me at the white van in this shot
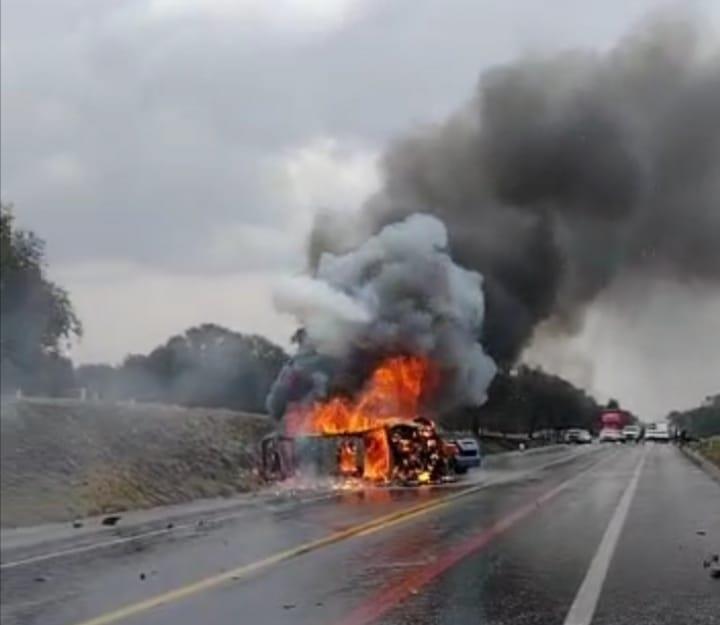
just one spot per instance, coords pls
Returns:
(659, 432)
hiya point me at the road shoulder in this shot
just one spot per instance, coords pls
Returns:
(706, 465)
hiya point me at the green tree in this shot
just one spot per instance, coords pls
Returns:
(38, 319)
(207, 365)
(701, 421)
(528, 400)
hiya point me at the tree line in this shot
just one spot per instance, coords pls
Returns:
(529, 400)
(699, 422)
(208, 365)
(205, 366)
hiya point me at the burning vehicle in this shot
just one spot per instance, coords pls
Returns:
(407, 453)
(388, 340)
(377, 436)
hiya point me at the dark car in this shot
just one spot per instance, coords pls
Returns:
(467, 455)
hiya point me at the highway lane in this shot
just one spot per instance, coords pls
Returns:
(41, 543)
(657, 576)
(82, 580)
(534, 574)
(516, 550)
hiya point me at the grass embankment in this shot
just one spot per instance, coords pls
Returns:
(710, 449)
(63, 459)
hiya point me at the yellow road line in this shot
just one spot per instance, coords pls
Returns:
(362, 529)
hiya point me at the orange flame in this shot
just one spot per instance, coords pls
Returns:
(377, 456)
(347, 459)
(392, 394)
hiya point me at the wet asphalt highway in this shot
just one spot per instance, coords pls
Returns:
(612, 535)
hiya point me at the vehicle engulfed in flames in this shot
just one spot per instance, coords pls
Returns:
(401, 453)
(376, 435)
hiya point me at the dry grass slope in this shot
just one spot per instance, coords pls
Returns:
(710, 448)
(63, 459)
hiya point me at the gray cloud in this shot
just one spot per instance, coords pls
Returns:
(165, 118)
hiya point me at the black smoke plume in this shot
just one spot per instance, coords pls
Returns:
(564, 173)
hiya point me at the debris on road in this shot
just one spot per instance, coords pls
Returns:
(713, 563)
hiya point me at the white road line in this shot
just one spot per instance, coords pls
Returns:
(181, 526)
(84, 548)
(583, 608)
(127, 539)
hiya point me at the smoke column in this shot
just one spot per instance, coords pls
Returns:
(399, 292)
(563, 174)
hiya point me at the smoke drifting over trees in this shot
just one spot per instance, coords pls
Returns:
(206, 366)
(563, 173)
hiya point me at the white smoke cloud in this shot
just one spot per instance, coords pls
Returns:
(328, 315)
(398, 292)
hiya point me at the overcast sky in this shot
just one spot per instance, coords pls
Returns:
(173, 152)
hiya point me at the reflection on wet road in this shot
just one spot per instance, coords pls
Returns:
(621, 530)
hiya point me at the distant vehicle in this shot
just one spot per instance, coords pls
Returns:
(631, 433)
(466, 456)
(610, 435)
(578, 436)
(613, 420)
(659, 432)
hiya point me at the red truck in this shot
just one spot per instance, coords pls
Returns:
(612, 422)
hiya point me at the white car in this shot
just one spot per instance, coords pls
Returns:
(610, 435)
(631, 433)
(578, 436)
(659, 432)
